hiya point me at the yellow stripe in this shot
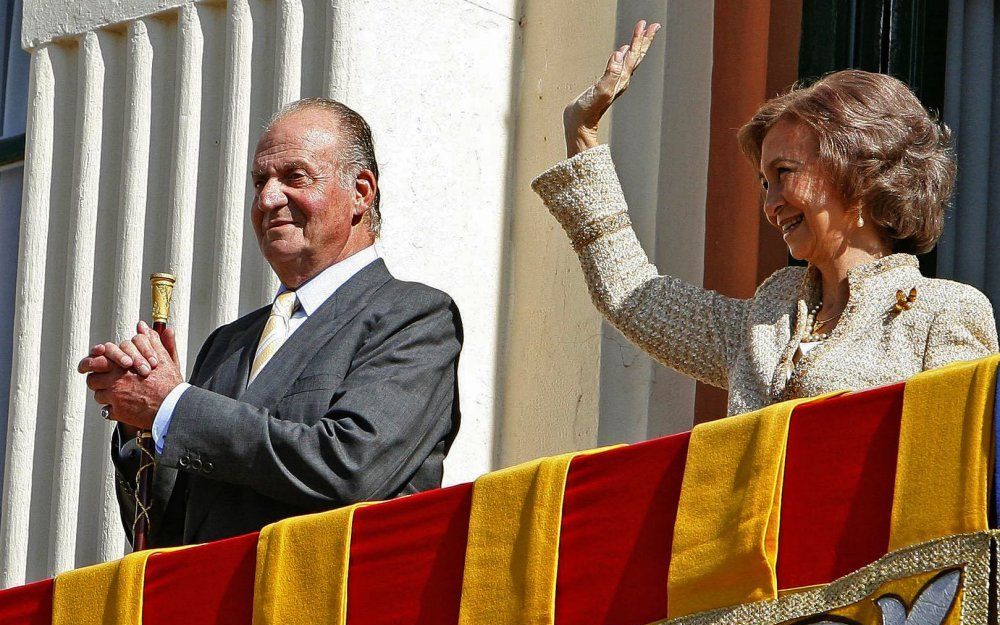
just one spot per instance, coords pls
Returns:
(512, 554)
(302, 564)
(944, 450)
(103, 594)
(726, 535)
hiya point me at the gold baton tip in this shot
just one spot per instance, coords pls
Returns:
(163, 287)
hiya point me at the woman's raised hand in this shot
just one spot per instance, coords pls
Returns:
(581, 117)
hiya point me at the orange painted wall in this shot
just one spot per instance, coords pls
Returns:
(755, 56)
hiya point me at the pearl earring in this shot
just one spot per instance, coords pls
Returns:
(861, 220)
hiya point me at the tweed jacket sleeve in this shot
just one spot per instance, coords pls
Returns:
(963, 330)
(688, 328)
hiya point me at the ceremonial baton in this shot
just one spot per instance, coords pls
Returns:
(162, 285)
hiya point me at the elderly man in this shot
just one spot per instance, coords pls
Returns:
(344, 389)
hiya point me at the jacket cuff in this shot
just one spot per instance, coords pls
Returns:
(584, 194)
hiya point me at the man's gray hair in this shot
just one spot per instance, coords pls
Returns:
(358, 146)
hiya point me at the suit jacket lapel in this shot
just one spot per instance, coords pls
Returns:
(241, 371)
(230, 378)
(291, 358)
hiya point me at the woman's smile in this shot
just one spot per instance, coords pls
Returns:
(790, 224)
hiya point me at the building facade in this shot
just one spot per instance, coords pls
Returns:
(142, 116)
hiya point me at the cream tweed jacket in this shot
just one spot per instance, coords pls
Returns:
(747, 345)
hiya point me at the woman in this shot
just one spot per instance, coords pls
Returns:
(856, 176)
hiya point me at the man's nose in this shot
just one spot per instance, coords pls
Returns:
(271, 196)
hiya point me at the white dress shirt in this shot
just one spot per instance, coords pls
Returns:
(309, 295)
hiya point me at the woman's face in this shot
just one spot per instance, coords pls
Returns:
(801, 200)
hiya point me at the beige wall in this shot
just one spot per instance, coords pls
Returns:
(549, 376)
(570, 381)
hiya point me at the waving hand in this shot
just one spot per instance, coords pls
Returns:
(582, 116)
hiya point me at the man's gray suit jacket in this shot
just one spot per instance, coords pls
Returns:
(360, 403)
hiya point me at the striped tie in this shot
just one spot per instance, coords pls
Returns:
(275, 332)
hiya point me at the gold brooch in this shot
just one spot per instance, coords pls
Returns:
(903, 301)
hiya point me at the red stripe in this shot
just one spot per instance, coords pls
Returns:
(407, 557)
(208, 584)
(617, 530)
(27, 605)
(840, 475)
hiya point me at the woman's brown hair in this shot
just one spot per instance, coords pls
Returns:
(882, 148)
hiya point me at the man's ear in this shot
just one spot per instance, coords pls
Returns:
(365, 186)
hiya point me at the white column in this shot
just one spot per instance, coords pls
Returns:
(79, 291)
(339, 51)
(129, 280)
(184, 175)
(683, 172)
(288, 64)
(131, 232)
(14, 518)
(233, 162)
(287, 85)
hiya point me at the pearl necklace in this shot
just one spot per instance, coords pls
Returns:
(814, 325)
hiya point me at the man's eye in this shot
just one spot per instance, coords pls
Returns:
(783, 170)
(763, 184)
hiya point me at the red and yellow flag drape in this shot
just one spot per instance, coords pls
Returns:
(944, 453)
(735, 511)
(103, 594)
(287, 577)
(725, 548)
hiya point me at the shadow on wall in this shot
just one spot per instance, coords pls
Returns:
(548, 372)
